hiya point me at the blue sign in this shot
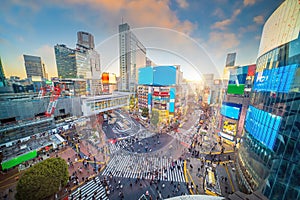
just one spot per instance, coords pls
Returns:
(231, 110)
(275, 79)
(262, 125)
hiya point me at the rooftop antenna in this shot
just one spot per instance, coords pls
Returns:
(122, 20)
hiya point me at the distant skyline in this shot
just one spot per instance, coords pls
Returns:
(195, 34)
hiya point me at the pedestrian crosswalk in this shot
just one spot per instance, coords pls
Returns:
(119, 145)
(147, 167)
(185, 137)
(93, 189)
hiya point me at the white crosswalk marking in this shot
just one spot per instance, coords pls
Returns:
(87, 191)
(134, 166)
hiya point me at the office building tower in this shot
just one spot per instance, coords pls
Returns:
(65, 61)
(3, 82)
(85, 40)
(230, 60)
(132, 57)
(269, 158)
(34, 66)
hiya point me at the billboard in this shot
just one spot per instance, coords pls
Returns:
(237, 80)
(251, 70)
(18, 160)
(109, 78)
(275, 79)
(231, 110)
(145, 76)
(229, 127)
(157, 76)
(262, 125)
(164, 75)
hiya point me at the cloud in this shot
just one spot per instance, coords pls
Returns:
(219, 13)
(46, 52)
(182, 3)
(156, 13)
(222, 25)
(249, 2)
(259, 19)
(223, 42)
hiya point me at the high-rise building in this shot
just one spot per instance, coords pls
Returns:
(85, 40)
(269, 157)
(230, 60)
(82, 62)
(3, 82)
(65, 61)
(132, 57)
(34, 66)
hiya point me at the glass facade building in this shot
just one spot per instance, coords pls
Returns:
(34, 66)
(269, 156)
(65, 61)
(2, 76)
(132, 57)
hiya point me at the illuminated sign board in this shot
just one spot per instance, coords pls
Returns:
(262, 125)
(275, 79)
(237, 79)
(229, 127)
(231, 110)
(157, 76)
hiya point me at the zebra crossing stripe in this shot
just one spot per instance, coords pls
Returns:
(88, 189)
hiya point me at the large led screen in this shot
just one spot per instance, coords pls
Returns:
(18, 160)
(164, 75)
(145, 76)
(237, 79)
(231, 110)
(276, 79)
(262, 125)
(229, 127)
(157, 76)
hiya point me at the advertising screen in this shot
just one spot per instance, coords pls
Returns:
(231, 110)
(262, 125)
(157, 76)
(276, 79)
(229, 127)
(237, 79)
(251, 70)
(145, 76)
(105, 78)
(17, 160)
(164, 75)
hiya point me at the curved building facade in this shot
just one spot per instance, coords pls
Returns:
(269, 156)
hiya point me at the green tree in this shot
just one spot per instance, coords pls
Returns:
(145, 112)
(155, 117)
(43, 179)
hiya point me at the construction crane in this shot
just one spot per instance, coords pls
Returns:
(55, 93)
(43, 91)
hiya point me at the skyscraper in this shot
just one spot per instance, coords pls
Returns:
(132, 57)
(65, 61)
(269, 155)
(230, 60)
(85, 40)
(34, 66)
(82, 62)
(2, 76)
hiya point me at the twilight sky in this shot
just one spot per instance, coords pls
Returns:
(197, 34)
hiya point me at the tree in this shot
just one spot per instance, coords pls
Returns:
(145, 112)
(155, 117)
(43, 179)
